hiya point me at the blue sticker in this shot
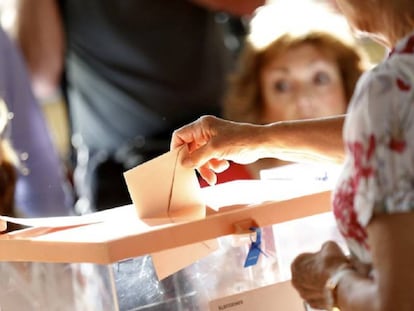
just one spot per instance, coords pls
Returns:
(255, 250)
(252, 256)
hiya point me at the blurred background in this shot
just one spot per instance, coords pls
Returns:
(55, 108)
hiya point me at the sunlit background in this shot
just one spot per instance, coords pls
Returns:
(54, 108)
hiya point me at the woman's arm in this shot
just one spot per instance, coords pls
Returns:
(392, 247)
(390, 285)
(311, 140)
(212, 141)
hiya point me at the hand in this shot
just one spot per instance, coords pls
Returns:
(310, 271)
(363, 269)
(212, 141)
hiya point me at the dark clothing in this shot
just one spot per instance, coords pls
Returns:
(136, 70)
(140, 67)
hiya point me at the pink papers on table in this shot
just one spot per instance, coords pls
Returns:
(163, 191)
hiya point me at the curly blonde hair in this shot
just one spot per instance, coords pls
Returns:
(243, 101)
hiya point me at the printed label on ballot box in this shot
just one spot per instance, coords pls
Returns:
(280, 296)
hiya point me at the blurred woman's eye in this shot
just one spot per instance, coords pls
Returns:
(321, 78)
(281, 86)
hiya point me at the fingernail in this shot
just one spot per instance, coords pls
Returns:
(212, 181)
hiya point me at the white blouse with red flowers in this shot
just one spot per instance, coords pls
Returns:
(378, 174)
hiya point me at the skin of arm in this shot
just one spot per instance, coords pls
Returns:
(312, 140)
(212, 141)
(39, 33)
(392, 248)
(235, 7)
(390, 285)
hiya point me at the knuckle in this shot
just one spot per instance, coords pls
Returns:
(328, 247)
(206, 119)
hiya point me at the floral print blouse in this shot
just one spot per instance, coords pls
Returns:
(378, 174)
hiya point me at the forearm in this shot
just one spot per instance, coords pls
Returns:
(235, 7)
(392, 252)
(39, 33)
(313, 140)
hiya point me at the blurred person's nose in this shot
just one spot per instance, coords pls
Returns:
(304, 101)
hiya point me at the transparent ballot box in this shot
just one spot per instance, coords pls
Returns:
(132, 284)
(56, 286)
(217, 275)
(114, 260)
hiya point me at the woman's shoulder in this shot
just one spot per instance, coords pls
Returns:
(392, 78)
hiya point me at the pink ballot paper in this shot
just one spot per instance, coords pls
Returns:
(163, 191)
(167, 220)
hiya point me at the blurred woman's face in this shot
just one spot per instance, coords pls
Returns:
(302, 83)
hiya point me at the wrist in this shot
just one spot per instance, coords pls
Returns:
(265, 137)
(332, 284)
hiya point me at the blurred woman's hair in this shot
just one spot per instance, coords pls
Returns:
(275, 29)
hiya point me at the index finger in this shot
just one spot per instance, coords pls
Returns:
(183, 135)
(176, 141)
(191, 134)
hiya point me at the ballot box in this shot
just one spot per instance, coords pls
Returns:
(226, 258)
(132, 284)
(217, 280)
(56, 286)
